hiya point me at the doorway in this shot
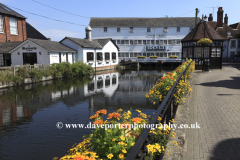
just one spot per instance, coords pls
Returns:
(29, 58)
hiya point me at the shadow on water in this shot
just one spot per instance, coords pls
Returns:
(227, 149)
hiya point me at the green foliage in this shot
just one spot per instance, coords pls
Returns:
(59, 70)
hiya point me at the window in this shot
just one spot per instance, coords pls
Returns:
(233, 43)
(178, 29)
(126, 54)
(131, 54)
(197, 52)
(218, 52)
(99, 56)
(122, 41)
(126, 42)
(169, 41)
(148, 41)
(173, 41)
(148, 54)
(144, 41)
(118, 42)
(206, 52)
(178, 41)
(152, 41)
(135, 41)
(189, 52)
(165, 42)
(13, 26)
(161, 42)
(105, 29)
(157, 41)
(1, 60)
(139, 41)
(148, 29)
(184, 52)
(135, 54)
(165, 29)
(228, 33)
(1, 24)
(113, 55)
(89, 56)
(213, 52)
(118, 29)
(131, 42)
(131, 30)
(29, 58)
(144, 54)
(107, 56)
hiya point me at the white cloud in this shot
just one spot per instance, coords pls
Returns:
(57, 34)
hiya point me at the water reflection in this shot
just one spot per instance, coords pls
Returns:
(28, 115)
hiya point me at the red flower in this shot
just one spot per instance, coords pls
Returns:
(163, 78)
(171, 77)
(166, 76)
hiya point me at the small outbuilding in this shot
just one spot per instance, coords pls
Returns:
(99, 53)
(206, 56)
(35, 51)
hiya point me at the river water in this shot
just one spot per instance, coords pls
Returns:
(29, 114)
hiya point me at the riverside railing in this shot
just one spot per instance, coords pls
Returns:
(167, 111)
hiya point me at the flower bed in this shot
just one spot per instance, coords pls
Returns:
(205, 41)
(115, 143)
(141, 56)
(173, 56)
(159, 91)
(153, 56)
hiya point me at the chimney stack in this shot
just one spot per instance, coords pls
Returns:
(88, 33)
(226, 19)
(220, 17)
(210, 18)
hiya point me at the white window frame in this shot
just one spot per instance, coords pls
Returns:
(165, 29)
(10, 19)
(178, 29)
(1, 24)
(131, 30)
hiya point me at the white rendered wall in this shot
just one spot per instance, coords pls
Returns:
(41, 59)
(142, 34)
(78, 56)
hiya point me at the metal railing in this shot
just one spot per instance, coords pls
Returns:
(167, 111)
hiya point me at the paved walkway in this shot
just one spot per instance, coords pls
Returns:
(215, 104)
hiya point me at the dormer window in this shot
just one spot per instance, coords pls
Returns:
(229, 33)
(165, 29)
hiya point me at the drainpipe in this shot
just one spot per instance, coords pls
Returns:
(95, 54)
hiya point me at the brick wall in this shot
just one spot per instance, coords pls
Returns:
(6, 36)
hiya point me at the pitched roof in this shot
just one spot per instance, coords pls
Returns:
(202, 30)
(33, 33)
(8, 11)
(143, 22)
(94, 43)
(222, 31)
(52, 46)
(7, 46)
(235, 25)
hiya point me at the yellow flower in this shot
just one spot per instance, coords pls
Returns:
(122, 138)
(113, 139)
(133, 144)
(110, 156)
(175, 142)
(124, 151)
(121, 156)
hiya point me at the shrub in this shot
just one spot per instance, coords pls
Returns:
(204, 41)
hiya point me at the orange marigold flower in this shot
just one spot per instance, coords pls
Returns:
(94, 116)
(103, 111)
(82, 157)
(178, 70)
(163, 78)
(171, 77)
(166, 76)
(136, 120)
(124, 126)
(113, 115)
(98, 122)
(171, 74)
(184, 63)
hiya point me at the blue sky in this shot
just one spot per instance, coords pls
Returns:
(109, 8)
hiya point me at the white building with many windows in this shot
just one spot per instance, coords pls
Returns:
(147, 37)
